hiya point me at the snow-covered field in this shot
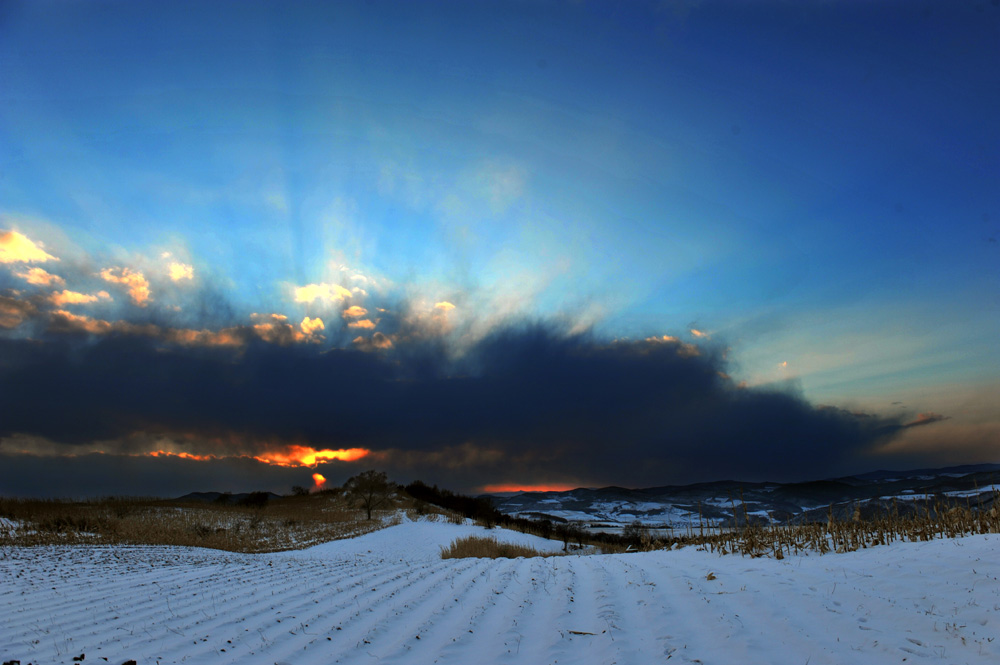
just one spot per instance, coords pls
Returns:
(387, 597)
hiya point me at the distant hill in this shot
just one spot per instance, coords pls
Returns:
(223, 497)
(684, 506)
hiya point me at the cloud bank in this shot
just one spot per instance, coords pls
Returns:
(529, 403)
(426, 389)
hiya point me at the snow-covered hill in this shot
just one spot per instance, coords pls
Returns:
(387, 597)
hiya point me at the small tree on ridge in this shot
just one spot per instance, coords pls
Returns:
(371, 488)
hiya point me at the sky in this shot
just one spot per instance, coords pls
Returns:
(495, 245)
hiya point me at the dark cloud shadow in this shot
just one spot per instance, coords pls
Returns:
(529, 403)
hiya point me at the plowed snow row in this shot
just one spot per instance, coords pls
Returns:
(387, 597)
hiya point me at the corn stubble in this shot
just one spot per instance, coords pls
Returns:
(920, 521)
(925, 520)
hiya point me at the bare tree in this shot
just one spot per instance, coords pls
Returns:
(371, 488)
(633, 532)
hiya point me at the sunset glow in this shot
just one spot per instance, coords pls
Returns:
(512, 487)
(167, 453)
(291, 456)
(318, 481)
(306, 456)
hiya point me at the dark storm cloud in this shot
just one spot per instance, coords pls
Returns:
(14, 311)
(527, 403)
(107, 475)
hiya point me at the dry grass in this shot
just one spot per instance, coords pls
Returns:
(282, 524)
(488, 548)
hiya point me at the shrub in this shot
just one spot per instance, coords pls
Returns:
(489, 548)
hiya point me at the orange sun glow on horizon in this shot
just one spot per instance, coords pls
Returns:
(514, 487)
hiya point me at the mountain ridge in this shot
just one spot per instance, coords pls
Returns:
(673, 506)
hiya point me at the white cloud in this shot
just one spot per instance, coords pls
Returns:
(354, 312)
(18, 248)
(179, 271)
(60, 298)
(39, 277)
(311, 326)
(327, 292)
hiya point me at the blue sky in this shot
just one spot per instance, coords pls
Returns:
(814, 185)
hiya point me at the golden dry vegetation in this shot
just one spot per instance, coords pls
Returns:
(281, 523)
(489, 548)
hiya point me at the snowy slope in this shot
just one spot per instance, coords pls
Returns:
(387, 597)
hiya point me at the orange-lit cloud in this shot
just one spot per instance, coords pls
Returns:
(17, 248)
(272, 328)
(276, 329)
(363, 323)
(311, 326)
(306, 456)
(179, 271)
(61, 298)
(700, 334)
(134, 282)
(327, 292)
(514, 487)
(291, 456)
(318, 481)
(230, 337)
(13, 312)
(39, 277)
(376, 342)
(63, 321)
(167, 453)
(926, 419)
(354, 312)
(444, 305)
